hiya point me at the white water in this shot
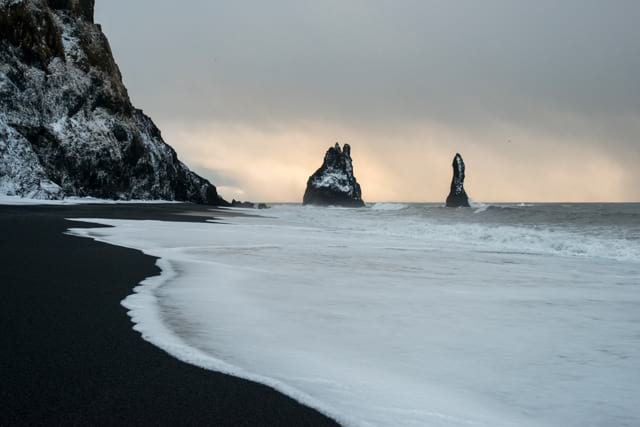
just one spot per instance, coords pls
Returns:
(379, 319)
(20, 201)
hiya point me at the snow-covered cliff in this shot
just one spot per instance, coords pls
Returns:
(334, 183)
(67, 126)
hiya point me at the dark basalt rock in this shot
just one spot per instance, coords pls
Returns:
(80, 8)
(457, 196)
(33, 31)
(67, 125)
(334, 183)
(248, 205)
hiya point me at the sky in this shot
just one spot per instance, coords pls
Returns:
(541, 98)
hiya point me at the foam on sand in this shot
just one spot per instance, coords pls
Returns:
(384, 326)
(27, 201)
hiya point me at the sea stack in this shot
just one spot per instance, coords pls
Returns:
(67, 125)
(457, 196)
(334, 183)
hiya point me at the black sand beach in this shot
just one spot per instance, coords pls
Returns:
(68, 353)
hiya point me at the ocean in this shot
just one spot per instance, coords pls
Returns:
(407, 314)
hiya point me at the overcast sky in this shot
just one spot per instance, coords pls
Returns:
(542, 98)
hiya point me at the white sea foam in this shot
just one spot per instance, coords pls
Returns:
(389, 206)
(480, 209)
(464, 236)
(375, 321)
(19, 201)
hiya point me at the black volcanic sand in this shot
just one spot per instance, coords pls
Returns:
(68, 353)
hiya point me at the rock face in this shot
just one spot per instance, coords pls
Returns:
(457, 196)
(334, 183)
(248, 205)
(67, 126)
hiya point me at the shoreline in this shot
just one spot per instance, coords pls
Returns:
(144, 308)
(74, 357)
(293, 296)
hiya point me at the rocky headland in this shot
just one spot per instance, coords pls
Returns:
(67, 125)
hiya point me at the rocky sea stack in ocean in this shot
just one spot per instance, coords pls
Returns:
(334, 183)
(457, 196)
(67, 126)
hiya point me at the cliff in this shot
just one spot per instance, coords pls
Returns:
(67, 125)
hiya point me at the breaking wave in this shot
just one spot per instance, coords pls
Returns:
(389, 207)
(439, 226)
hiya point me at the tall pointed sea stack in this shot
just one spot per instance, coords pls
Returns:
(457, 196)
(67, 125)
(334, 183)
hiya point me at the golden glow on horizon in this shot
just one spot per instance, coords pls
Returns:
(503, 164)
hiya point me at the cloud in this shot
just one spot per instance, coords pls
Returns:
(232, 83)
(411, 164)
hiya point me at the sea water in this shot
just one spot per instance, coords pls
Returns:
(407, 315)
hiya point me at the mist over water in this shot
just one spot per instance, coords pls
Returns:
(408, 315)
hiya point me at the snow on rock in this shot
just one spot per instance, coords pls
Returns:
(334, 183)
(20, 170)
(457, 197)
(67, 126)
